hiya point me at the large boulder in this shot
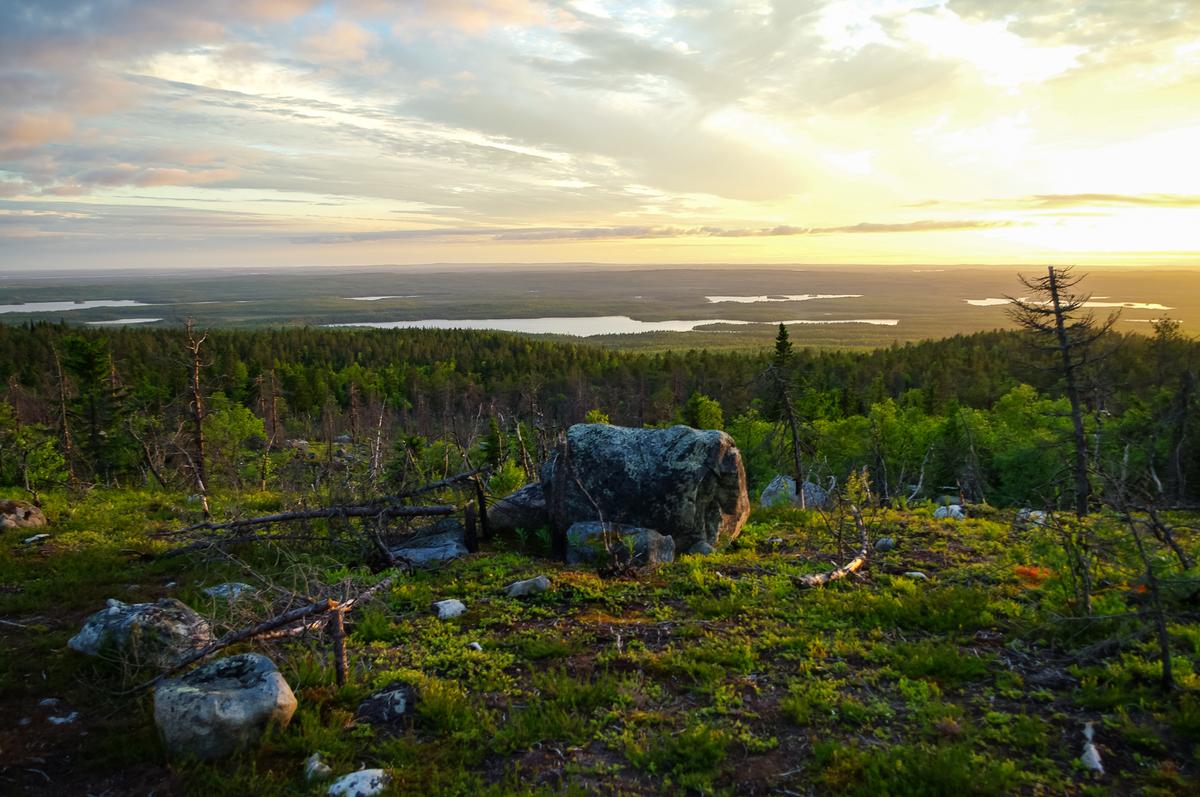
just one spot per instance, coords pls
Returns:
(437, 542)
(20, 515)
(631, 545)
(160, 634)
(683, 482)
(525, 509)
(223, 707)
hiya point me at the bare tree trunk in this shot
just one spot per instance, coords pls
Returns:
(354, 412)
(198, 467)
(64, 425)
(1160, 621)
(1083, 488)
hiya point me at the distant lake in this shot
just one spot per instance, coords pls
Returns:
(589, 326)
(59, 307)
(120, 322)
(380, 298)
(781, 297)
(994, 302)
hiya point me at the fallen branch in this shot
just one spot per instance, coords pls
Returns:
(821, 579)
(264, 628)
(327, 513)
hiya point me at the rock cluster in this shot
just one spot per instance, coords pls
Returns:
(20, 515)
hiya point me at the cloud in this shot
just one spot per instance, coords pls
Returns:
(1115, 200)
(643, 232)
(342, 41)
(29, 129)
(1066, 201)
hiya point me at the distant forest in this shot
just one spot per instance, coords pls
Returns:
(981, 415)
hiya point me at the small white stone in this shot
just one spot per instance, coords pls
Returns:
(364, 783)
(917, 574)
(475, 646)
(530, 586)
(448, 609)
(35, 539)
(49, 701)
(67, 720)
(316, 769)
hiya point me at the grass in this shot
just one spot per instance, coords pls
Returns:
(711, 675)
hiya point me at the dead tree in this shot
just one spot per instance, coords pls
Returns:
(64, 423)
(1056, 315)
(197, 405)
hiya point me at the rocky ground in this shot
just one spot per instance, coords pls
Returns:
(952, 663)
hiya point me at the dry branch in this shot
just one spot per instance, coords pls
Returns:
(276, 623)
(328, 513)
(821, 579)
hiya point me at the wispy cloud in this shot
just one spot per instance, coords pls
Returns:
(635, 232)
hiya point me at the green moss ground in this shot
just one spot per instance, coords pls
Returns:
(709, 675)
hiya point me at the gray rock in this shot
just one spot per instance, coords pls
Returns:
(885, 544)
(685, 483)
(438, 542)
(1027, 518)
(524, 509)
(343, 439)
(816, 496)
(701, 548)
(66, 719)
(448, 609)
(35, 539)
(530, 586)
(364, 783)
(223, 707)
(782, 491)
(631, 545)
(160, 634)
(316, 769)
(950, 512)
(917, 575)
(20, 515)
(390, 709)
(230, 591)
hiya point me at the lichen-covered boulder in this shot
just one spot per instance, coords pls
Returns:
(630, 545)
(683, 482)
(160, 634)
(525, 509)
(20, 515)
(223, 707)
(390, 709)
(437, 542)
(364, 783)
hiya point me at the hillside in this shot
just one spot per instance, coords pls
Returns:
(953, 664)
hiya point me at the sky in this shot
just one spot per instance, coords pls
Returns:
(297, 132)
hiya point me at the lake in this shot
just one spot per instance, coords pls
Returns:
(589, 326)
(59, 307)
